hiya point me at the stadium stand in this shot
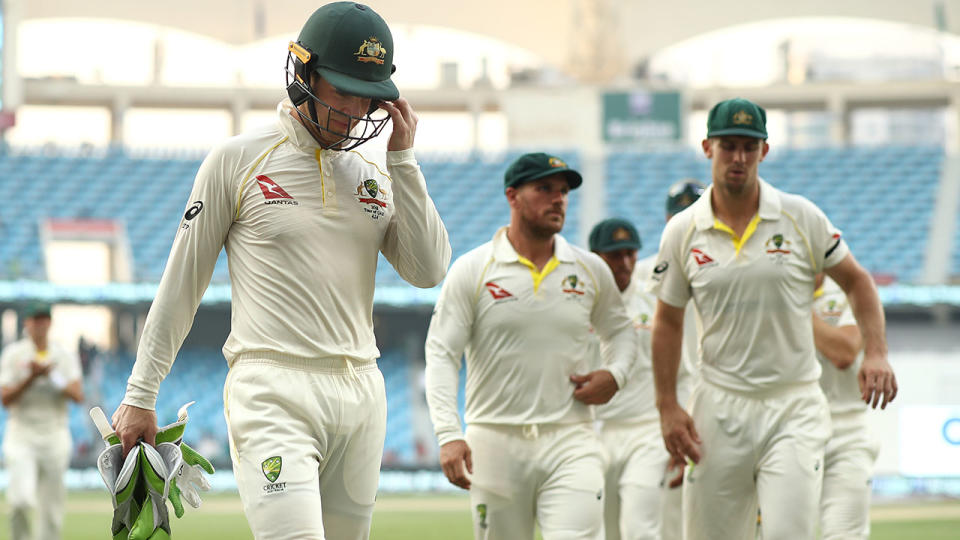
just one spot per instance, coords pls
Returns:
(857, 188)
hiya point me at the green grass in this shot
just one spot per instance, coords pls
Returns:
(436, 517)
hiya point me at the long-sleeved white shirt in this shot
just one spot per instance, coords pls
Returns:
(302, 227)
(637, 402)
(524, 333)
(839, 385)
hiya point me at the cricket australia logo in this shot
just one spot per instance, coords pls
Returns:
(777, 248)
(371, 51)
(271, 470)
(573, 285)
(482, 515)
(370, 194)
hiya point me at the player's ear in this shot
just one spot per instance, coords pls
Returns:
(707, 148)
(765, 149)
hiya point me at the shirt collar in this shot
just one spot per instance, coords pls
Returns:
(770, 206)
(296, 132)
(503, 250)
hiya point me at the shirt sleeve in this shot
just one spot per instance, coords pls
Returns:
(450, 329)
(826, 241)
(200, 236)
(618, 339)
(72, 370)
(416, 242)
(668, 280)
(8, 367)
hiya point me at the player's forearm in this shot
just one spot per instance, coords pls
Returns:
(839, 344)
(866, 306)
(11, 394)
(422, 247)
(619, 354)
(666, 347)
(442, 381)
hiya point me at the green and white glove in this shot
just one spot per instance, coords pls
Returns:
(189, 480)
(121, 478)
(158, 467)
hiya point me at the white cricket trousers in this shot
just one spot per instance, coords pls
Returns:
(306, 438)
(36, 461)
(636, 461)
(551, 474)
(765, 447)
(847, 477)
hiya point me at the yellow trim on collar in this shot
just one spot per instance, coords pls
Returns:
(818, 293)
(738, 241)
(538, 275)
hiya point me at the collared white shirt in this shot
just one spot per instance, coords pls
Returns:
(839, 385)
(302, 227)
(524, 333)
(42, 406)
(752, 294)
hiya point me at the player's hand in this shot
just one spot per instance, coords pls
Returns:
(878, 384)
(679, 466)
(132, 424)
(679, 434)
(404, 123)
(456, 461)
(594, 388)
(37, 369)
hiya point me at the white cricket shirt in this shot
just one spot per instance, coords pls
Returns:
(524, 333)
(302, 227)
(753, 294)
(839, 385)
(637, 402)
(42, 406)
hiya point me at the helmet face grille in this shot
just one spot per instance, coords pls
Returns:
(363, 128)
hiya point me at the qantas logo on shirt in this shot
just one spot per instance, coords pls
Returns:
(273, 193)
(701, 257)
(497, 292)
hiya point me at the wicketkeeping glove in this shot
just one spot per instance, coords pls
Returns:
(189, 481)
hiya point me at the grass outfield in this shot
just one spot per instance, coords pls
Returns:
(439, 517)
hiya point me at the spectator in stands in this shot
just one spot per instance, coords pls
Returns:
(303, 221)
(521, 307)
(747, 255)
(37, 379)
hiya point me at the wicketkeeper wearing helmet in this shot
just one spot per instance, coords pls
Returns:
(303, 221)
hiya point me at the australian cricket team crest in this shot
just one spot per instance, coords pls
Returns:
(370, 194)
(573, 285)
(777, 248)
(371, 51)
(271, 468)
(742, 118)
(642, 322)
(832, 311)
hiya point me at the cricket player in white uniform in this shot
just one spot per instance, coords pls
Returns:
(851, 449)
(303, 221)
(521, 307)
(37, 379)
(747, 254)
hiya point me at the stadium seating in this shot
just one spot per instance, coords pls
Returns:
(881, 197)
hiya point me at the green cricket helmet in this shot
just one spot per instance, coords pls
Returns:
(351, 47)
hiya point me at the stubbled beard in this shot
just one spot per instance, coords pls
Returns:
(542, 231)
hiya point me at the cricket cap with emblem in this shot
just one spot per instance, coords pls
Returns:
(37, 309)
(613, 234)
(737, 116)
(537, 165)
(351, 47)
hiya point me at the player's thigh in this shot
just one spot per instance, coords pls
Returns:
(503, 484)
(570, 499)
(276, 454)
(790, 470)
(720, 491)
(845, 500)
(350, 472)
(671, 517)
(640, 512)
(21, 464)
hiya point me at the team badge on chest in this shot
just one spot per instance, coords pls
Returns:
(372, 197)
(572, 285)
(777, 248)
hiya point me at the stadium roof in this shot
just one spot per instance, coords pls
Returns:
(557, 30)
